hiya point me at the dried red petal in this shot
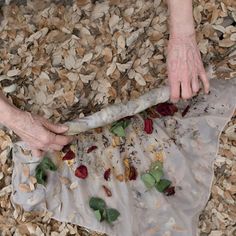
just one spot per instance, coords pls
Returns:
(66, 148)
(92, 148)
(132, 173)
(69, 155)
(107, 191)
(169, 191)
(107, 174)
(81, 172)
(166, 109)
(185, 111)
(148, 126)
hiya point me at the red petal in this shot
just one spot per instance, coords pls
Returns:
(132, 173)
(81, 172)
(148, 126)
(92, 148)
(107, 174)
(169, 191)
(69, 156)
(166, 109)
(107, 191)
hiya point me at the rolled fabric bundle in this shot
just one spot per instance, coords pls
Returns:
(116, 112)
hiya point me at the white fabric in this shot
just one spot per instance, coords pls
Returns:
(189, 145)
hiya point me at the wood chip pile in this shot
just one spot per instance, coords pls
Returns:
(64, 59)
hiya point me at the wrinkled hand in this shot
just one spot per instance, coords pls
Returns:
(185, 68)
(39, 134)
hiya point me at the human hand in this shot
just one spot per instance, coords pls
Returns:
(39, 134)
(185, 68)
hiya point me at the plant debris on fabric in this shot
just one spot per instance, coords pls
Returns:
(102, 212)
(64, 59)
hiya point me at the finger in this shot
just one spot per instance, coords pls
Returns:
(37, 153)
(55, 147)
(174, 90)
(204, 80)
(195, 85)
(186, 91)
(58, 129)
(62, 140)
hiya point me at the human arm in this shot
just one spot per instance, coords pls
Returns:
(39, 134)
(184, 62)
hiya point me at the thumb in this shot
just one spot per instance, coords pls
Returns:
(55, 128)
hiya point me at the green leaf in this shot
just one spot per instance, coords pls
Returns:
(40, 171)
(97, 203)
(157, 165)
(126, 123)
(40, 175)
(47, 164)
(118, 127)
(112, 215)
(148, 180)
(119, 131)
(98, 215)
(157, 174)
(162, 185)
(104, 214)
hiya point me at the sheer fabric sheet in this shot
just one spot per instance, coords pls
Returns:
(188, 145)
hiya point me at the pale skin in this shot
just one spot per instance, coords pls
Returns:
(185, 74)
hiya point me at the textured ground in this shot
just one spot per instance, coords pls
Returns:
(61, 59)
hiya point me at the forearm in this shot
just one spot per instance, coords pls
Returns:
(8, 112)
(181, 22)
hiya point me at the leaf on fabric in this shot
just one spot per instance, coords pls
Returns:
(112, 214)
(97, 203)
(156, 165)
(148, 180)
(118, 127)
(162, 185)
(40, 175)
(157, 174)
(40, 171)
(98, 215)
(47, 164)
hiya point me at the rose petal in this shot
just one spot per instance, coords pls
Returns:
(69, 155)
(107, 174)
(81, 172)
(148, 126)
(92, 148)
(166, 109)
(107, 191)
